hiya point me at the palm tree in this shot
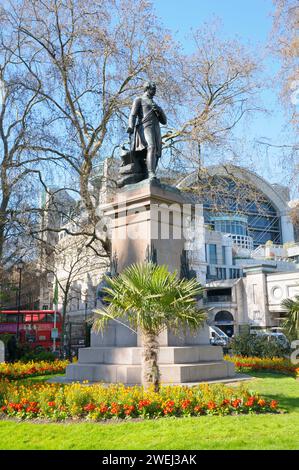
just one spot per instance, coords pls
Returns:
(291, 323)
(151, 298)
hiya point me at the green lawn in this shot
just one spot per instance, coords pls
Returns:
(207, 432)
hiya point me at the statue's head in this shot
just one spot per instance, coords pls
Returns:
(150, 88)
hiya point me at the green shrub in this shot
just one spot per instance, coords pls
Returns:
(37, 355)
(248, 345)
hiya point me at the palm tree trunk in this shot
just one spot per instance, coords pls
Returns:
(150, 368)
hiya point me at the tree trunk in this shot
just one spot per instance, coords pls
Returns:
(150, 368)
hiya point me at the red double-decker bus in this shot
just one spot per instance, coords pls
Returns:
(33, 327)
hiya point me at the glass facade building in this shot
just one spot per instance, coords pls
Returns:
(241, 210)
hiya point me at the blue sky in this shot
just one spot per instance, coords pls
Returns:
(251, 22)
(248, 18)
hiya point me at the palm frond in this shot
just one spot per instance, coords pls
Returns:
(291, 323)
(150, 297)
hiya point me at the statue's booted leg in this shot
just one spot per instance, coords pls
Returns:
(151, 161)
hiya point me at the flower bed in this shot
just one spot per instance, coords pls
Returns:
(97, 402)
(19, 370)
(276, 364)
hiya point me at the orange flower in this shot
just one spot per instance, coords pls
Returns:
(273, 404)
(236, 402)
(211, 405)
(261, 402)
(143, 403)
(115, 408)
(185, 404)
(199, 409)
(89, 407)
(129, 409)
(225, 402)
(250, 401)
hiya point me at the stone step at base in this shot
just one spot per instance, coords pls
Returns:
(131, 374)
(133, 355)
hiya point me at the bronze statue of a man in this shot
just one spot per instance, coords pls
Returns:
(146, 132)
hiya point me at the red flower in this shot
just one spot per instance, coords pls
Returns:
(129, 409)
(143, 403)
(115, 409)
(211, 405)
(185, 404)
(169, 406)
(51, 404)
(250, 402)
(32, 409)
(198, 409)
(273, 404)
(236, 402)
(16, 406)
(170, 403)
(103, 408)
(89, 407)
(225, 402)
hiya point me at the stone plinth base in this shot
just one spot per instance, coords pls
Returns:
(177, 365)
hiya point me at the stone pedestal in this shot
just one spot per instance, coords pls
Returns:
(183, 364)
(148, 219)
(149, 222)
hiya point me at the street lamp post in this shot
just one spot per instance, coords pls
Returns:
(85, 319)
(20, 268)
(50, 279)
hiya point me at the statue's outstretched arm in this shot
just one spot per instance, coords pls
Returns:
(160, 114)
(162, 117)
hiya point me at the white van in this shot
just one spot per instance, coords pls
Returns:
(218, 337)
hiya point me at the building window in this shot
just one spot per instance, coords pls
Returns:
(221, 273)
(223, 255)
(256, 217)
(235, 273)
(213, 254)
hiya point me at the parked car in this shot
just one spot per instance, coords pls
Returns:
(277, 336)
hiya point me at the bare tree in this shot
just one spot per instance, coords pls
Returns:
(218, 88)
(87, 59)
(23, 127)
(285, 45)
(285, 42)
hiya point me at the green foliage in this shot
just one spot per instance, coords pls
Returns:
(38, 355)
(23, 352)
(151, 298)
(291, 324)
(5, 337)
(249, 345)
